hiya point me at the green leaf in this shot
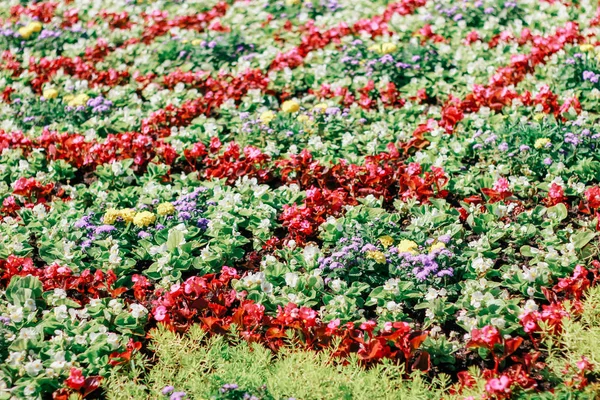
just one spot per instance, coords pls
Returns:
(582, 238)
(174, 239)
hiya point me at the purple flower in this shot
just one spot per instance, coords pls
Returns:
(104, 229)
(177, 396)
(167, 389)
(548, 161)
(572, 139)
(503, 146)
(202, 223)
(144, 235)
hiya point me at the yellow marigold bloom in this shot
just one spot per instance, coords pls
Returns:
(437, 246)
(290, 106)
(196, 42)
(127, 214)
(539, 116)
(388, 48)
(378, 256)
(267, 116)
(79, 100)
(386, 241)
(407, 246)
(144, 218)
(25, 32)
(35, 26)
(321, 107)
(50, 93)
(541, 143)
(110, 216)
(292, 2)
(586, 47)
(165, 209)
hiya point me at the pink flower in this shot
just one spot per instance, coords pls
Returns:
(501, 185)
(499, 385)
(160, 313)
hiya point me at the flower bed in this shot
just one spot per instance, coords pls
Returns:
(414, 183)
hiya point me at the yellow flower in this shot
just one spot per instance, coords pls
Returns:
(166, 209)
(25, 32)
(290, 106)
(110, 216)
(543, 142)
(50, 93)
(35, 26)
(196, 42)
(407, 246)
(375, 47)
(127, 214)
(144, 218)
(292, 2)
(267, 116)
(539, 116)
(378, 256)
(79, 100)
(586, 47)
(386, 241)
(437, 246)
(30, 29)
(302, 118)
(388, 48)
(320, 108)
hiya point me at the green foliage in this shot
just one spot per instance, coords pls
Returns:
(200, 366)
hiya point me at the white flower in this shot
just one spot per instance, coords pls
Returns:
(291, 279)
(61, 313)
(33, 368)
(138, 311)
(336, 285)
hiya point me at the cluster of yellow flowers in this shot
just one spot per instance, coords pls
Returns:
(50, 94)
(290, 107)
(383, 48)
(543, 142)
(165, 209)
(378, 256)
(30, 29)
(141, 219)
(407, 246)
(76, 101)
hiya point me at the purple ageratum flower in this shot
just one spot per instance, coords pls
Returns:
(177, 396)
(4, 320)
(228, 387)
(184, 215)
(444, 239)
(572, 139)
(144, 235)
(489, 10)
(524, 148)
(167, 389)
(548, 161)
(503, 146)
(104, 229)
(202, 223)
(368, 247)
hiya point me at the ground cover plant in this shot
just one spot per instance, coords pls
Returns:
(299, 199)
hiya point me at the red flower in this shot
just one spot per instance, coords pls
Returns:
(76, 380)
(592, 196)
